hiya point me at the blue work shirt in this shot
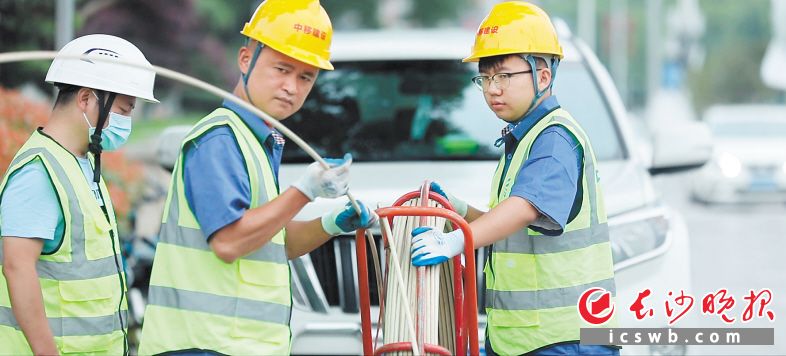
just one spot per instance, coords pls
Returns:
(548, 179)
(30, 207)
(215, 179)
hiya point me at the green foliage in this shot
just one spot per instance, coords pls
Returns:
(637, 27)
(200, 37)
(186, 35)
(436, 13)
(737, 36)
(422, 13)
(352, 14)
(147, 130)
(218, 16)
(25, 26)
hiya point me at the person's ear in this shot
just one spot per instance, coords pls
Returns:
(82, 98)
(544, 78)
(244, 59)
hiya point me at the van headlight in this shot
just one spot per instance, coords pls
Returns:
(730, 165)
(638, 236)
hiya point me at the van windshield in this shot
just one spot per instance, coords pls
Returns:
(426, 110)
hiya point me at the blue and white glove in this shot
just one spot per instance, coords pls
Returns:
(325, 183)
(459, 205)
(430, 247)
(346, 219)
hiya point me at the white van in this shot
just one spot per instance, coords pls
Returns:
(403, 104)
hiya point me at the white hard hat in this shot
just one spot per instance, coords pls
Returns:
(101, 74)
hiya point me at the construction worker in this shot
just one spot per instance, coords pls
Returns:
(546, 228)
(221, 280)
(62, 287)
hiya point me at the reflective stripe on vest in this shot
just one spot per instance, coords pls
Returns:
(80, 284)
(69, 326)
(213, 304)
(533, 282)
(196, 301)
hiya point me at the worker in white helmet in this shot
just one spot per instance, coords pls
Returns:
(62, 286)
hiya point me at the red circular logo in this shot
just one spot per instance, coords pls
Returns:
(594, 311)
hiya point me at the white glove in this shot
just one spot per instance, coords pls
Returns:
(459, 205)
(330, 183)
(430, 247)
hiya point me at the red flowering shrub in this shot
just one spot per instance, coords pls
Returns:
(18, 118)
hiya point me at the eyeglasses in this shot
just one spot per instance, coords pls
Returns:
(501, 80)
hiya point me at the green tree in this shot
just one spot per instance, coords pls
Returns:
(636, 25)
(736, 39)
(172, 34)
(352, 14)
(25, 26)
(436, 13)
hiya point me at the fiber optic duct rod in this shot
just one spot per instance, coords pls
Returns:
(465, 306)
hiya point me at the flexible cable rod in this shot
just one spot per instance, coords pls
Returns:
(399, 280)
(9, 57)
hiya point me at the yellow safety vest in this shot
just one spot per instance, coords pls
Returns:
(197, 301)
(533, 282)
(80, 282)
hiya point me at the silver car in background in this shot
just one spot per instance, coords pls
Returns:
(749, 161)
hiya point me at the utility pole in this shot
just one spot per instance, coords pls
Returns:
(654, 62)
(64, 22)
(64, 26)
(587, 22)
(618, 46)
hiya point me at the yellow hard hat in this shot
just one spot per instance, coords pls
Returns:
(515, 27)
(299, 29)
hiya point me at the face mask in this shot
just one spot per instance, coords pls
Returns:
(115, 134)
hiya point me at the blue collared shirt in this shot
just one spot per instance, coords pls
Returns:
(548, 179)
(30, 207)
(216, 183)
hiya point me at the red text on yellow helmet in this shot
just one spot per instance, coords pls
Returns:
(299, 29)
(515, 27)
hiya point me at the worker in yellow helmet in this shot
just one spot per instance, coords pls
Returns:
(221, 281)
(547, 228)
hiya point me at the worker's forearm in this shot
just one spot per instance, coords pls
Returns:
(28, 308)
(512, 215)
(257, 226)
(473, 213)
(304, 236)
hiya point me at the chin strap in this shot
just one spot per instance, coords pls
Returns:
(539, 93)
(94, 146)
(247, 75)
